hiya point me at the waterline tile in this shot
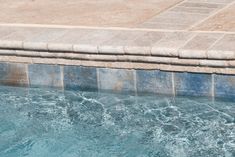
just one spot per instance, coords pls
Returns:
(117, 80)
(193, 84)
(80, 78)
(41, 75)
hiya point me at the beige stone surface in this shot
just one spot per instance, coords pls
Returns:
(124, 65)
(222, 21)
(167, 34)
(170, 44)
(147, 14)
(198, 46)
(120, 13)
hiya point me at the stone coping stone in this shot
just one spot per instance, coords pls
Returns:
(179, 44)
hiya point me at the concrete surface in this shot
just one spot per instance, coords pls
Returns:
(200, 15)
(112, 13)
(175, 35)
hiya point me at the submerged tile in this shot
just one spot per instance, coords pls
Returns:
(117, 80)
(154, 82)
(41, 75)
(193, 84)
(80, 78)
(225, 86)
(146, 81)
(164, 82)
(13, 74)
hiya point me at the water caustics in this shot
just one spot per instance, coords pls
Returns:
(46, 122)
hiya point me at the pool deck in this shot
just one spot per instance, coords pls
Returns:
(173, 35)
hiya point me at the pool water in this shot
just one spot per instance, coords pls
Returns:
(54, 123)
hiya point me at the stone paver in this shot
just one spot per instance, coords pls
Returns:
(201, 15)
(222, 21)
(198, 46)
(224, 48)
(167, 33)
(114, 13)
(184, 15)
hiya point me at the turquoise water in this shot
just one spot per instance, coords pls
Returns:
(53, 123)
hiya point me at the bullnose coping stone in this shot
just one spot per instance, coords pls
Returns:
(189, 48)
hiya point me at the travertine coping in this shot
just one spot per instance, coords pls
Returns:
(202, 50)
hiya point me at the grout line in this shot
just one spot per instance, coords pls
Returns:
(186, 42)
(213, 87)
(98, 78)
(135, 81)
(27, 73)
(155, 79)
(163, 11)
(62, 76)
(83, 27)
(108, 28)
(160, 12)
(211, 15)
(173, 84)
(217, 41)
(214, 32)
(208, 2)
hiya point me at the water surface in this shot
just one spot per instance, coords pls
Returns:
(53, 123)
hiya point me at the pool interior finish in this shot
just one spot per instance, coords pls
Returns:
(38, 122)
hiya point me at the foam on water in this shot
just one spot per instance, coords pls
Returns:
(43, 123)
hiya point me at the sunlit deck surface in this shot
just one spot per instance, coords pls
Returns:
(203, 15)
(150, 34)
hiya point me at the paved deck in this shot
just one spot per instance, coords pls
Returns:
(112, 13)
(204, 15)
(163, 34)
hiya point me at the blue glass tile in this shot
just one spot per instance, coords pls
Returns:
(146, 81)
(13, 74)
(41, 75)
(118, 80)
(193, 84)
(225, 86)
(164, 82)
(80, 78)
(154, 81)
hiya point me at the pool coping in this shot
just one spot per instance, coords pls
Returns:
(207, 52)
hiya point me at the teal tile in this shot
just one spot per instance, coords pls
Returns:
(117, 80)
(164, 82)
(13, 74)
(225, 86)
(154, 81)
(41, 75)
(80, 78)
(146, 81)
(193, 84)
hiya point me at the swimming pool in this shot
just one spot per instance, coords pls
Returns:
(37, 122)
